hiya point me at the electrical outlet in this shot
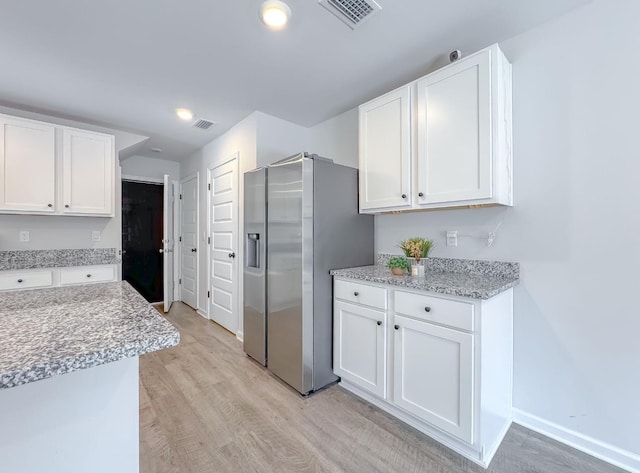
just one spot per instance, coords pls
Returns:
(452, 238)
(96, 235)
(24, 236)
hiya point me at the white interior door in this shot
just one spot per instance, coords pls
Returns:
(168, 243)
(189, 241)
(223, 232)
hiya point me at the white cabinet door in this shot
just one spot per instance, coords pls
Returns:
(359, 348)
(88, 164)
(454, 132)
(433, 375)
(385, 151)
(27, 165)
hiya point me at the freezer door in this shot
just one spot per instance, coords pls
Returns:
(255, 277)
(290, 273)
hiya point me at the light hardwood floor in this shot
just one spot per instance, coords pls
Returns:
(206, 407)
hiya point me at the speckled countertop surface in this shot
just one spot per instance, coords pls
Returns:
(473, 285)
(49, 332)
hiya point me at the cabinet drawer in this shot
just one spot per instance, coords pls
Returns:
(28, 279)
(361, 294)
(87, 275)
(434, 309)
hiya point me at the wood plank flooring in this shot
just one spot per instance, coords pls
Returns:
(206, 407)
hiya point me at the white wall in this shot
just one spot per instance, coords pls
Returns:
(337, 138)
(278, 139)
(154, 168)
(574, 227)
(53, 232)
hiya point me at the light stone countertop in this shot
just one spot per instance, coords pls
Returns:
(461, 284)
(50, 332)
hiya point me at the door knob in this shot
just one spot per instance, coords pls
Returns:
(161, 250)
(193, 250)
(232, 255)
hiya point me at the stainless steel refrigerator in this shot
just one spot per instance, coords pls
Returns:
(300, 221)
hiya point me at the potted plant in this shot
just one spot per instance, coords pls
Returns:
(417, 248)
(398, 265)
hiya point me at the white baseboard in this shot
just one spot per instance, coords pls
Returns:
(240, 336)
(202, 313)
(609, 453)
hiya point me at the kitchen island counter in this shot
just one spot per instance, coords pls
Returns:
(69, 376)
(50, 332)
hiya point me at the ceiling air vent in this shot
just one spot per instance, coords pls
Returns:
(203, 124)
(351, 12)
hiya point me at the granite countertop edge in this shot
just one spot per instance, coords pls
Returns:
(368, 274)
(82, 361)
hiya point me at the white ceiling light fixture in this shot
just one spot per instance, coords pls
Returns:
(275, 14)
(184, 114)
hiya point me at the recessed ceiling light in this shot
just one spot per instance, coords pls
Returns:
(275, 14)
(184, 114)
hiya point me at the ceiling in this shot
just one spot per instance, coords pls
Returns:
(128, 64)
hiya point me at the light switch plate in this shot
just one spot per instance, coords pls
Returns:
(96, 235)
(452, 238)
(24, 236)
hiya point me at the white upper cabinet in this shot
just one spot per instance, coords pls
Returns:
(385, 151)
(27, 165)
(454, 132)
(49, 169)
(87, 172)
(460, 148)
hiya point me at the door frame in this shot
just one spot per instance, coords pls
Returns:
(195, 175)
(236, 283)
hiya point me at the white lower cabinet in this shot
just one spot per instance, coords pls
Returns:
(53, 277)
(433, 375)
(359, 349)
(442, 364)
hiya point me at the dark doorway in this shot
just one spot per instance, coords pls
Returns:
(142, 238)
